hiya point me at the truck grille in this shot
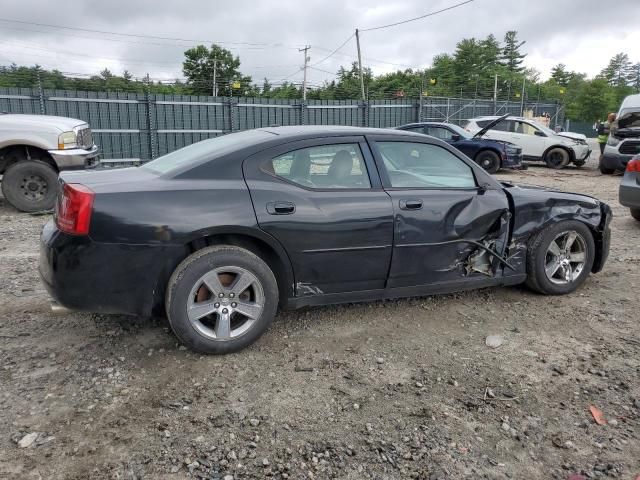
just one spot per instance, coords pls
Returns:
(630, 147)
(85, 139)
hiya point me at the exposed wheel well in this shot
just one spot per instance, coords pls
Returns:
(260, 248)
(16, 153)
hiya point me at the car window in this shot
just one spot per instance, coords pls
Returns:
(440, 132)
(420, 165)
(325, 166)
(418, 129)
(524, 128)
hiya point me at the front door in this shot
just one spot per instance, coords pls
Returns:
(323, 201)
(445, 222)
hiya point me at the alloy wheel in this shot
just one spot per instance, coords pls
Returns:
(565, 258)
(225, 303)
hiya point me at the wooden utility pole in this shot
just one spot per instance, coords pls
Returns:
(364, 98)
(214, 90)
(304, 81)
(524, 80)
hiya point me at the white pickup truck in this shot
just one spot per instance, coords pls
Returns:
(34, 149)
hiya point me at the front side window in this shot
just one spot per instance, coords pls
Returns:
(324, 167)
(525, 128)
(420, 165)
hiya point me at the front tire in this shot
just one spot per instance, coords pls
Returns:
(30, 185)
(560, 258)
(557, 158)
(635, 213)
(221, 299)
(488, 160)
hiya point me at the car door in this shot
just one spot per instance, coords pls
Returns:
(447, 214)
(531, 139)
(322, 199)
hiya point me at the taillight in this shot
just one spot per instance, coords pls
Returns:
(74, 208)
(633, 165)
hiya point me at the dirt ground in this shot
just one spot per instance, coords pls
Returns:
(385, 390)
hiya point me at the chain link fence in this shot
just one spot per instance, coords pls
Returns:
(135, 127)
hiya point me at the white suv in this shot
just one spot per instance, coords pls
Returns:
(538, 143)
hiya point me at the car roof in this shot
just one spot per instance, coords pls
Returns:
(419, 124)
(631, 101)
(312, 131)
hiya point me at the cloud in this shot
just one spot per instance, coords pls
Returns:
(583, 35)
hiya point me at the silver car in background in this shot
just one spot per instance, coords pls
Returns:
(630, 187)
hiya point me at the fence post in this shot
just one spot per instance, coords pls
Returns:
(232, 110)
(303, 113)
(40, 92)
(365, 114)
(150, 125)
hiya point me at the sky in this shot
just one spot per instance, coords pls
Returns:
(267, 36)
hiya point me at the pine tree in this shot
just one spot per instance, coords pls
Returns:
(512, 58)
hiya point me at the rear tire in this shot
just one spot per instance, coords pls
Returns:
(606, 171)
(206, 312)
(556, 270)
(635, 213)
(488, 160)
(557, 158)
(30, 185)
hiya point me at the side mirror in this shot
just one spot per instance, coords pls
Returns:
(539, 133)
(455, 137)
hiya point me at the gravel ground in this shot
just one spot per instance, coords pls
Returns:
(385, 390)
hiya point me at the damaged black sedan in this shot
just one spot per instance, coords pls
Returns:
(218, 235)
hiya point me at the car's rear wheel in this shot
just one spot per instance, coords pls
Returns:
(30, 185)
(488, 160)
(560, 258)
(221, 299)
(635, 213)
(605, 170)
(557, 158)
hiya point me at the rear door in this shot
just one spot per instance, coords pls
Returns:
(322, 199)
(442, 212)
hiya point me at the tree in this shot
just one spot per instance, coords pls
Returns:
(512, 58)
(618, 71)
(634, 77)
(266, 88)
(199, 64)
(560, 75)
(592, 101)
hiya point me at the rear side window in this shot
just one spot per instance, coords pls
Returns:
(337, 166)
(502, 126)
(420, 165)
(440, 132)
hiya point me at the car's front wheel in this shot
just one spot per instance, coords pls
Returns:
(560, 258)
(221, 299)
(635, 213)
(30, 185)
(557, 158)
(488, 160)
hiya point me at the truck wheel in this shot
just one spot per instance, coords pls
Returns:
(488, 160)
(635, 213)
(221, 299)
(559, 258)
(557, 158)
(30, 185)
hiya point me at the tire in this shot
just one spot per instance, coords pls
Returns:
(539, 257)
(30, 185)
(606, 171)
(488, 160)
(557, 158)
(635, 213)
(222, 265)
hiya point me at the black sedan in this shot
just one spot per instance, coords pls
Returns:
(221, 233)
(492, 155)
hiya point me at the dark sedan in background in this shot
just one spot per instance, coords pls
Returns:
(218, 234)
(492, 155)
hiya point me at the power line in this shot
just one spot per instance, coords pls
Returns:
(334, 51)
(134, 35)
(416, 18)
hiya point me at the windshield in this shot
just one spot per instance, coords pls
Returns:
(205, 150)
(629, 118)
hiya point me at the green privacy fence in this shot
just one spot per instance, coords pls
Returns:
(138, 126)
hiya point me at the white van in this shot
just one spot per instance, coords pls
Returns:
(624, 139)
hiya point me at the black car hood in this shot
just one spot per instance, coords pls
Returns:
(489, 126)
